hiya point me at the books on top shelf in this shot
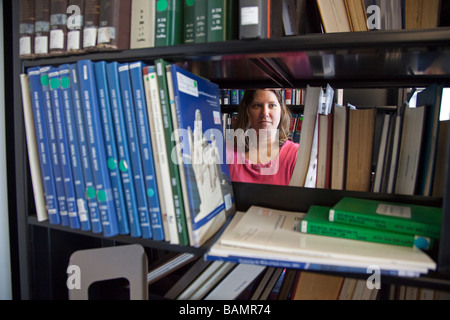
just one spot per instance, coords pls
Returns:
(270, 237)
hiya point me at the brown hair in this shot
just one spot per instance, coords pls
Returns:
(243, 114)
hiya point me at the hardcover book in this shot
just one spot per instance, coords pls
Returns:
(94, 213)
(114, 25)
(126, 172)
(41, 28)
(316, 222)
(145, 144)
(75, 23)
(97, 150)
(63, 147)
(58, 27)
(26, 26)
(135, 151)
(73, 146)
(207, 176)
(43, 148)
(53, 144)
(221, 21)
(142, 30)
(110, 145)
(260, 19)
(168, 22)
(404, 218)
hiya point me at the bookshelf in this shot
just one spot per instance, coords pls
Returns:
(344, 60)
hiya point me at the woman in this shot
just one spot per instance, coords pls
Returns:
(259, 149)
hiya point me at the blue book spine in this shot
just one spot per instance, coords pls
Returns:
(63, 148)
(148, 164)
(110, 145)
(133, 144)
(74, 152)
(53, 145)
(89, 185)
(48, 182)
(97, 151)
(120, 130)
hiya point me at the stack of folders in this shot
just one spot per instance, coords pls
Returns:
(269, 237)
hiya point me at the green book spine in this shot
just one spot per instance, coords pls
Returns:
(221, 20)
(316, 222)
(180, 215)
(189, 21)
(200, 10)
(402, 218)
(168, 22)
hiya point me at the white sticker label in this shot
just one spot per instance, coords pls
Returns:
(187, 85)
(394, 211)
(249, 16)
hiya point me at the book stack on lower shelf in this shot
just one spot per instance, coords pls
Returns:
(263, 236)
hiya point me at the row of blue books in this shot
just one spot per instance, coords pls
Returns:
(100, 159)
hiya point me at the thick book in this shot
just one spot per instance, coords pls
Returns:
(97, 150)
(94, 213)
(307, 134)
(316, 286)
(41, 28)
(357, 15)
(221, 20)
(361, 126)
(339, 147)
(411, 142)
(188, 21)
(207, 176)
(317, 222)
(53, 145)
(398, 217)
(26, 29)
(430, 98)
(161, 157)
(235, 282)
(170, 144)
(200, 10)
(334, 16)
(91, 24)
(126, 172)
(142, 29)
(260, 19)
(145, 144)
(114, 25)
(38, 150)
(33, 156)
(63, 147)
(75, 23)
(135, 151)
(73, 146)
(271, 237)
(58, 27)
(112, 158)
(168, 23)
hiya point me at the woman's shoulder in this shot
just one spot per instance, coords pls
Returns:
(290, 145)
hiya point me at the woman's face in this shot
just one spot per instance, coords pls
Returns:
(264, 111)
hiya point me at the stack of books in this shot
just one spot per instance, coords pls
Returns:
(270, 237)
(376, 221)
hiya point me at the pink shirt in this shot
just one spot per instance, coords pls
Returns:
(278, 171)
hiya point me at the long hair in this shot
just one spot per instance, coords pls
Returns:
(243, 118)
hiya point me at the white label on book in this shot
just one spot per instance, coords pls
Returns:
(187, 85)
(73, 40)
(41, 44)
(103, 35)
(249, 16)
(395, 211)
(57, 39)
